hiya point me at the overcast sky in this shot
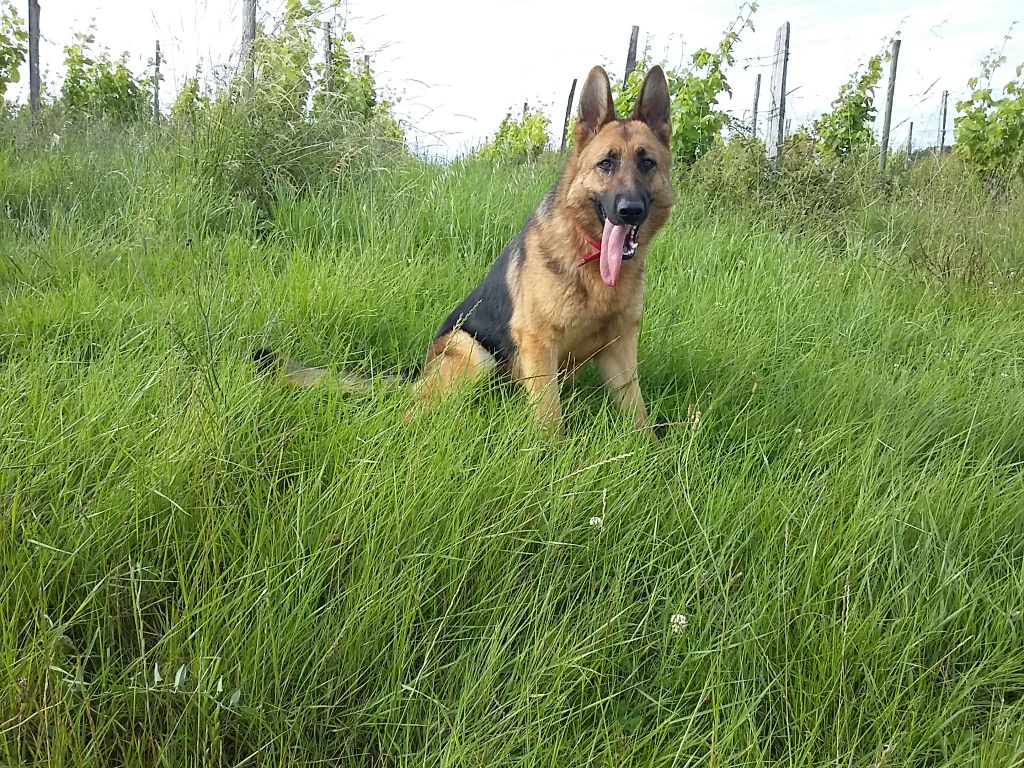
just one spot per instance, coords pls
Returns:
(457, 66)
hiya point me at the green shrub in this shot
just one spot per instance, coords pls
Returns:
(799, 194)
(97, 86)
(518, 140)
(990, 130)
(288, 129)
(731, 173)
(846, 130)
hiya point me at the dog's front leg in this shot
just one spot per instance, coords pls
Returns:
(617, 364)
(537, 370)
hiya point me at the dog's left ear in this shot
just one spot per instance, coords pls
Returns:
(654, 104)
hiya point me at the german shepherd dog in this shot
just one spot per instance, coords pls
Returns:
(570, 286)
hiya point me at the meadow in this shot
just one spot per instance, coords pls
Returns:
(822, 563)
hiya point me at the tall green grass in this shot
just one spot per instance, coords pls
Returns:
(204, 568)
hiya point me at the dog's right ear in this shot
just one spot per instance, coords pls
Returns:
(596, 107)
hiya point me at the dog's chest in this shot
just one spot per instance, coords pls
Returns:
(586, 324)
(572, 309)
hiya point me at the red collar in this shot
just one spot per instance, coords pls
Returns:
(595, 248)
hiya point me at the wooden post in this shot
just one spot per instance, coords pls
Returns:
(777, 116)
(248, 63)
(525, 106)
(889, 95)
(910, 141)
(757, 97)
(942, 122)
(156, 84)
(33, 55)
(568, 114)
(328, 63)
(631, 54)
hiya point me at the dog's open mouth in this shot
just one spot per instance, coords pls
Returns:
(618, 244)
(632, 239)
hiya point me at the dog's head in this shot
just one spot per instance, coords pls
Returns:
(621, 187)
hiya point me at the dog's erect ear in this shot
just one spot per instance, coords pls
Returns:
(654, 103)
(596, 106)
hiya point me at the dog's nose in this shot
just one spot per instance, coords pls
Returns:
(630, 209)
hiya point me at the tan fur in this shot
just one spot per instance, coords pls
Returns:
(453, 360)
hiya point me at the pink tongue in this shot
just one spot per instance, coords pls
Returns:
(612, 241)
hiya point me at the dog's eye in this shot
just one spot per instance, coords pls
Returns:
(607, 165)
(646, 164)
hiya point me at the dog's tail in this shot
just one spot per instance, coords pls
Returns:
(301, 375)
